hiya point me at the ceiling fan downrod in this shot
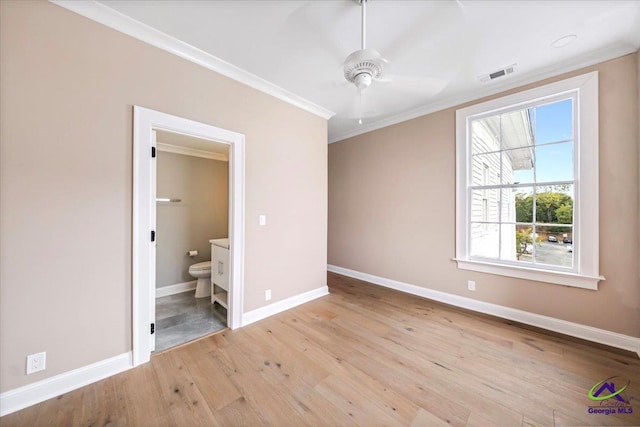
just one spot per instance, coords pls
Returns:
(363, 4)
(362, 80)
(365, 65)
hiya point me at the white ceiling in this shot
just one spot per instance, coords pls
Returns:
(436, 49)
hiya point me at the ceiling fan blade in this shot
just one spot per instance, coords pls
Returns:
(338, 79)
(422, 86)
(359, 108)
(308, 28)
(354, 107)
(462, 7)
(435, 28)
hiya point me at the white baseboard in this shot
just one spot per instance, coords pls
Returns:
(577, 330)
(22, 397)
(178, 288)
(285, 304)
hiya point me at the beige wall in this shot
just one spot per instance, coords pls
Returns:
(202, 185)
(392, 211)
(68, 88)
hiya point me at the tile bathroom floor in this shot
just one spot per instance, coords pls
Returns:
(182, 317)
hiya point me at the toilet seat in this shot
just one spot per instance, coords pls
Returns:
(201, 266)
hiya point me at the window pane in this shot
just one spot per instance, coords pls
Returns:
(517, 204)
(485, 240)
(485, 169)
(508, 242)
(554, 204)
(554, 122)
(516, 129)
(554, 162)
(521, 246)
(485, 134)
(485, 205)
(517, 166)
(551, 250)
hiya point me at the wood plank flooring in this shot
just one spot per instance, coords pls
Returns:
(363, 355)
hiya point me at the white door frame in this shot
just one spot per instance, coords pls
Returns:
(145, 122)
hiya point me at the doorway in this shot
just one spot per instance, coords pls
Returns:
(148, 124)
(192, 206)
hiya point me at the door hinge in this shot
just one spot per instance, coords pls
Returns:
(153, 328)
(153, 151)
(153, 236)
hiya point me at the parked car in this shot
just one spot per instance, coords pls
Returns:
(553, 239)
(570, 248)
(567, 240)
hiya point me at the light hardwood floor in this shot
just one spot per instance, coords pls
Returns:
(363, 355)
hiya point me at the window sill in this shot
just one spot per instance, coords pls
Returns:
(548, 276)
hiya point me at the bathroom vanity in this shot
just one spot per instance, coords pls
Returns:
(220, 275)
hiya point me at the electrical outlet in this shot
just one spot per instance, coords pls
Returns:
(263, 220)
(267, 295)
(471, 285)
(36, 362)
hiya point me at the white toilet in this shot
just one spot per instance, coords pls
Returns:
(202, 272)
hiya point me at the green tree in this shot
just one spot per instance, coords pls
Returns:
(523, 237)
(552, 206)
(565, 213)
(524, 208)
(547, 203)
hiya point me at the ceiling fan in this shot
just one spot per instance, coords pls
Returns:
(415, 65)
(365, 65)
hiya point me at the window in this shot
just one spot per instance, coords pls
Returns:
(485, 202)
(527, 184)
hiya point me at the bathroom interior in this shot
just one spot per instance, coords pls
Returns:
(192, 224)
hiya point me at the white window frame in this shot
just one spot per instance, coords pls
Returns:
(585, 274)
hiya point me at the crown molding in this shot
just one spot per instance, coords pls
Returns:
(490, 89)
(120, 22)
(168, 148)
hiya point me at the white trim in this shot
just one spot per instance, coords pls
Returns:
(577, 330)
(584, 89)
(120, 22)
(540, 275)
(512, 82)
(145, 123)
(178, 288)
(168, 148)
(236, 233)
(280, 306)
(22, 397)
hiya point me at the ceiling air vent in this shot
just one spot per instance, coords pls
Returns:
(497, 74)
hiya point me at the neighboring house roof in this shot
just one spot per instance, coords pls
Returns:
(516, 130)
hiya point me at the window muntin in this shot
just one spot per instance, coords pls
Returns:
(522, 177)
